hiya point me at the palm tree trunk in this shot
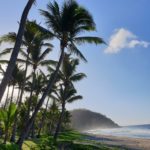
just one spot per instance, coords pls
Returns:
(14, 55)
(6, 101)
(43, 119)
(24, 81)
(11, 99)
(13, 136)
(19, 91)
(59, 122)
(31, 94)
(33, 130)
(46, 92)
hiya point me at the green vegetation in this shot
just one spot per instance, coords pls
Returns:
(68, 140)
(36, 117)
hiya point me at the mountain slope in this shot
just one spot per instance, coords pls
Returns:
(83, 119)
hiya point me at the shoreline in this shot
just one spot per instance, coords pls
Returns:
(121, 142)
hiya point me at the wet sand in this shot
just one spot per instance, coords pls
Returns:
(122, 142)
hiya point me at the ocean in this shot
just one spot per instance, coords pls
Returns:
(137, 131)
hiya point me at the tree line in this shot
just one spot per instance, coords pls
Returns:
(38, 106)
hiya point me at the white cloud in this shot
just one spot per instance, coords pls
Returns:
(123, 38)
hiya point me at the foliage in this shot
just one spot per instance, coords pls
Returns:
(66, 23)
(8, 147)
(7, 116)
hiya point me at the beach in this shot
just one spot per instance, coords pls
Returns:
(121, 142)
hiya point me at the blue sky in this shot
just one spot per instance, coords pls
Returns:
(118, 82)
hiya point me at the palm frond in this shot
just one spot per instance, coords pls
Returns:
(2, 70)
(48, 62)
(74, 50)
(72, 99)
(43, 32)
(95, 40)
(45, 53)
(10, 37)
(24, 61)
(78, 77)
(4, 61)
(24, 54)
(47, 45)
(51, 21)
(6, 51)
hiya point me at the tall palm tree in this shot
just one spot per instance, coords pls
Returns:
(66, 94)
(37, 58)
(31, 34)
(65, 24)
(68, 71)
(16, 49)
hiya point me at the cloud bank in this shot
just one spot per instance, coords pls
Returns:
(123, 38)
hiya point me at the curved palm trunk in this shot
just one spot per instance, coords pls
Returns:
(47, 91)
(12, 139)
(6, 101)
(12, 94)
(59, 122)
(31, 94)
(33, 130)
(13, 136)
(43, 119)
(19, 91)
(16, 49)
(27, 116)
(23, 84)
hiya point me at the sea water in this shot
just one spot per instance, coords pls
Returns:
(137, 131)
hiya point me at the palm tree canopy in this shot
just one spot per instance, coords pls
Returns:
(69, 68)
(67, 94)
(68, 22)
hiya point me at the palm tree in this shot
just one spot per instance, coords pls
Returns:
(68, 70)
(19, 79)
(67, 92)
(65, 24)
(16, 49)
(43, 118)
(31, 34)
(37, 58)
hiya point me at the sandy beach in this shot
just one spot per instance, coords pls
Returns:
(122, 142)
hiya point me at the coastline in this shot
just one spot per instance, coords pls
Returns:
(121, 142)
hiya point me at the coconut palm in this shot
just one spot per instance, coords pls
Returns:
(16, 49)
(66, 94)
(33, 42)
(19, 79)
(43, 118)
(39, 83)
(66, 24)
(31, 34)
(67, 75)
(37, 58)
(68, 70)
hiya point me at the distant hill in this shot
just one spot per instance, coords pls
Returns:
(83, 119)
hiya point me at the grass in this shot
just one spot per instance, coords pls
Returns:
(70, 140)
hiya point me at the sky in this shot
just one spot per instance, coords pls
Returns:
(118, 74)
